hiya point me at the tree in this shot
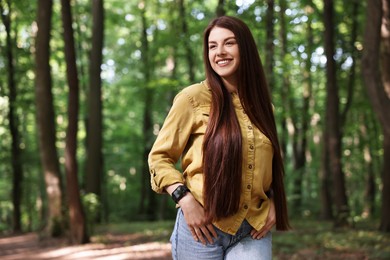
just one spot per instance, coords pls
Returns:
(78, 230)
(385, 65)
(220, 10)
(94, 168)
(377, 85)
(186, 42)
(17, 169)
(332, 138)
(269, 45)
(45, 121)
(147, 195)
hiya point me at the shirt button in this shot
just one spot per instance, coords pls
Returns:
(245, 206)
(250, 166)
(248, 187)
(251, 147)
(250, 127)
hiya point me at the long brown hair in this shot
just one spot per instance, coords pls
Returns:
(222, 147)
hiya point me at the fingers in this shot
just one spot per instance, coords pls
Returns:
(259, 234)
(212, 230)
(204, 234)
(209, 232)
(270, 222)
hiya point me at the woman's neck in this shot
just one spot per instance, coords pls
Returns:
(230, 85)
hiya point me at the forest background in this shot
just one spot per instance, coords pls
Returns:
(85, 87)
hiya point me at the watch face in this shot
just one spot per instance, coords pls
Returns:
(179, 193)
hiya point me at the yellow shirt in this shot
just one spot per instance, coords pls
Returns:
(181, 137)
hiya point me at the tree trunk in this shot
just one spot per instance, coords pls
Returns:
(326, 212)
(287, 100)
(385, 53)
(354, 54)
(186, 41)
(332, 119)
(385, 216)
(17, 170)
(147, 203)
(369, 181)
(77, 222)
(376, 87)
(94, 167)
(269, 45)
(300, 137)
(385, 61)
(220, 10)
(46, 122)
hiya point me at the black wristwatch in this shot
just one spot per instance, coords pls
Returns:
(179, 193)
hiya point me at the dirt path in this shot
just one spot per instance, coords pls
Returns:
(29, 247)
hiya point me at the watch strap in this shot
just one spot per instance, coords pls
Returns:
(179, 193)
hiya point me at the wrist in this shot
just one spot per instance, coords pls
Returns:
(179, 193)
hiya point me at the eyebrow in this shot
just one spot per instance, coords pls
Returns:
(228, 38)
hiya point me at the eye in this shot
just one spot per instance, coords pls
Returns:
(230, 43)
(212, 46)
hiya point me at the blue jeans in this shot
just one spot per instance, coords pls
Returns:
(225, 246)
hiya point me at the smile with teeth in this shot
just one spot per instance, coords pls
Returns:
(222, 62)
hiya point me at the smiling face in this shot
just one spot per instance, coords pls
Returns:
(224, 55)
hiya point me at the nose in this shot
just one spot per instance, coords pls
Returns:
(221, 49)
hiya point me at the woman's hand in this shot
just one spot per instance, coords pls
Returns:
(195, 217)
(196, 220)
(270, 222)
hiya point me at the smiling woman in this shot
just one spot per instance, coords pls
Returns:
(230, 191)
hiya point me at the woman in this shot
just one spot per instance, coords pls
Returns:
(230, 192)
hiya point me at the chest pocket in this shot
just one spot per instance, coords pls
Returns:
(204, 116)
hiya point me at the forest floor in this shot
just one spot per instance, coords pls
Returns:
(117, 247)
(149, 241)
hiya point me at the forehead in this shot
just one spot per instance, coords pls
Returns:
(220, 34)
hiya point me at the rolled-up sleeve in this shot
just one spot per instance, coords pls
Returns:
(170, 144)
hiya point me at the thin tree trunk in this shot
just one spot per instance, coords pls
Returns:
(17, 170)
(300, 137)
(269, 45)
(94, 172)
(369, 182)
(186, 41)
(354, 53)
(46, 122)
(332, 121)
(148, 198)
(385, 54)
(78, 230)
(220, 10)
(289, 105)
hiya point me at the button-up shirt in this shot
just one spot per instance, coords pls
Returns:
(181, 139)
